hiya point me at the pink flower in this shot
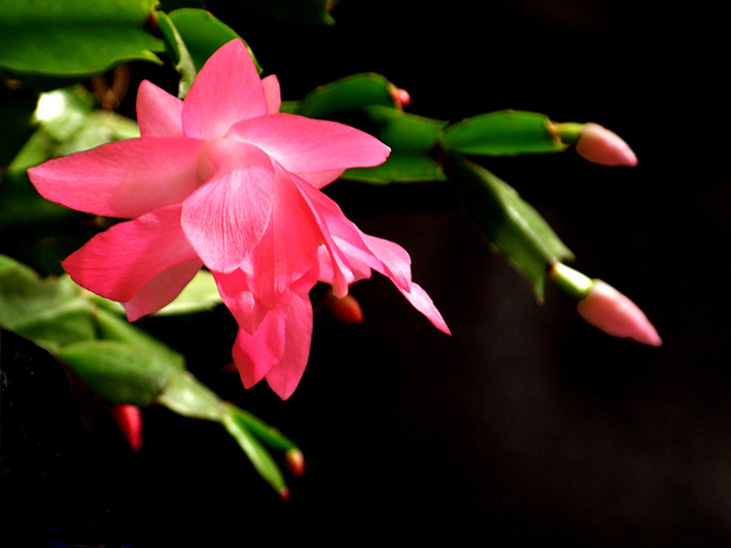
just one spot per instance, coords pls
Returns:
(601, 146)
(606, 308)
(222, 179)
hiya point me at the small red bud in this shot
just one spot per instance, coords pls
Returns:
(400, 96)
(345, 310)
(295, 461)
(129, 420)
(284, 493)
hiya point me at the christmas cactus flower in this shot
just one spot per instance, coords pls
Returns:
(223, 180)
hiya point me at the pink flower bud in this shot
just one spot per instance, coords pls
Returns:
(613, 313)
(400, 96)
(129, 420)
(601, 146)
(345, 310)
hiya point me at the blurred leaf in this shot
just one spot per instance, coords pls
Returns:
(350, 94)
(412, 140)
(512, 226)
(16, 110)
(310, 12)
(121, 372)
(502, 133)
(75, 37)
(203, 34)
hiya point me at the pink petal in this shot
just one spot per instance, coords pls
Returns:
(118, 263)
(284, 377)
(423, 303)
(321, 178)
(159, 114)
(227, 89)
(122, 179)
(255, 355)
(272, 93)
(613, 313)
(161, 290)
(227, 217)
(302, 145)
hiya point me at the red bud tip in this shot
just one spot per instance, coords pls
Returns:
(609, 310)
(129, 420)
(601, 146)
(400, 96)
(345, 310)
(295, 461)
(284, 493)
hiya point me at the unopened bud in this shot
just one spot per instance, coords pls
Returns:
(295, 461)
(284, 493)
(345, 310)
(129, 420)
(400, 96)
(601, 146)
(612, 312)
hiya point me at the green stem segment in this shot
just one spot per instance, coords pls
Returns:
(571, 281)
(568, 132)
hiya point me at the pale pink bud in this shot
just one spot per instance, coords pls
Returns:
(613, 313)
(601, 146)
(129, 420)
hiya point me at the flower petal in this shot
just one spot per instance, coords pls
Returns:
(272, 93)
(120, 262)
(159, 114)
(122, 179)
(284, 377)
(420, 300)
(227, 217)
(227, 89)
(161, 290)
(255, 355)
(302, 145)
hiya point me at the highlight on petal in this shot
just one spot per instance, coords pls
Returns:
(161, 290)
(159, 114)
(302, 145)
(122, 179)
(601, 146)
(226, 90)
(612, 312)
(118, 263)
(227, 217)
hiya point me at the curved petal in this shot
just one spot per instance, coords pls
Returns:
(302, 145)
(420, 300)
(159, 114)
(118, 263)
(321, 179)
(161, 290)
(255, 355)
(227, 89)
(122, 179)
(284, 377)
(227, 217)
(272, 93)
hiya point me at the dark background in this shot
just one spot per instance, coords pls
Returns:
(527, 425)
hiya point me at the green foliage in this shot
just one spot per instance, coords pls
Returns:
(75, 37)
(502, 133)
(513, 227)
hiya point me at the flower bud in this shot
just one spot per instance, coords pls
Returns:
(295, 461)
(606, 308)
(400, 96)
(601, 146)
(345, 310)
(129, 420)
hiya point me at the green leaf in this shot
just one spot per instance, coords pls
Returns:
(412, 139)
(258, 455)
(502, 133)
(75, 37)
(203, 34)
(350, 94)
(178, 52)
(512, 226)
(121, 372)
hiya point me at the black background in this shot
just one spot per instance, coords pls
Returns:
(527, 425)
